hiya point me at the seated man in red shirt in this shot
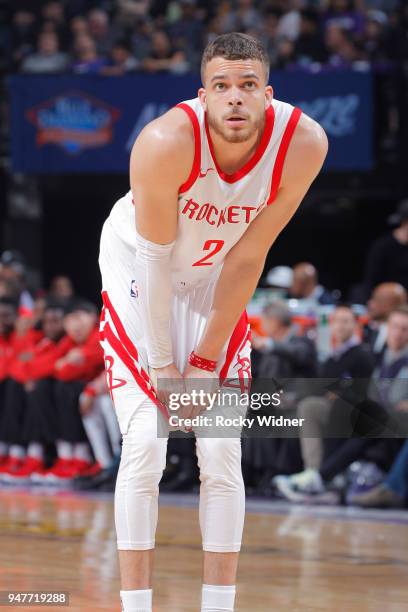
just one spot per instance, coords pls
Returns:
(8, 315)
(81, 362)
(31, 405)
(21, 341)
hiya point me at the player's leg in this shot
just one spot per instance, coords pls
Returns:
(143, 451)
(222, 500)
(136, 497)
(221, 513)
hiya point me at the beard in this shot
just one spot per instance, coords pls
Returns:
(234, 136)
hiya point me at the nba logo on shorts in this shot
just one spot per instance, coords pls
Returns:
(134, 291)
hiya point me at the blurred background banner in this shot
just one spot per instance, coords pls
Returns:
(70, 124)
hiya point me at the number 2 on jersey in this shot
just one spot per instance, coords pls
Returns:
(208, 244)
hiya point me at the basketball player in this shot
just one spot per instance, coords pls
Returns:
(213, 183)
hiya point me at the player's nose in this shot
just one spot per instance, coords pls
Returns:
(235, 97)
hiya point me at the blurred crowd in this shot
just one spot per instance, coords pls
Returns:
(58, 425)
(115, 37)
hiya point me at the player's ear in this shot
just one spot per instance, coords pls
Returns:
(268, 95)
(202, 96)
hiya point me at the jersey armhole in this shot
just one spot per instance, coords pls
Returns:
(197, 148)
(281, 156)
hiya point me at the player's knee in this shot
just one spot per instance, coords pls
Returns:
(143, 462)
(220, 463)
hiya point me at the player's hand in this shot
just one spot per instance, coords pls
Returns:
(166, 381)
(196, 379)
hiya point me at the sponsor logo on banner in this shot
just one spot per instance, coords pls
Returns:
(74, 121)
(337, 114)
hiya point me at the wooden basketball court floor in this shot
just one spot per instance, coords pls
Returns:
(294, 559)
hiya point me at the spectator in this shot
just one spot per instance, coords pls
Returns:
(23, 35)
(305, 286)
(342, 50)
(78, 26)
(269, 33)
(81, 362)
(61, 288)
(13, 271)
(18, 344)
(375, 40)
(8, 316)
(280, 277)
(389, 386)
(289, 22)
(140, 38)
(385, 298)
(87, 59)
(343, 15)
(245, 17)
(53, 12)
(350, 365)
(129, 10)
(163, 57)
(282, 354)
(31, 390)
(309, 46)
(48, 58)
(101, 31)
(285, 56)
(187, 32)
(387, 259)
(121, 61)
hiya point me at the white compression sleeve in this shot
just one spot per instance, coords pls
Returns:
(153, 279)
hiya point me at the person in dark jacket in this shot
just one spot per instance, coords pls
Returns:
(344, 379)
(387, 259)
(384, 299)
(280, 359)
(282, 353)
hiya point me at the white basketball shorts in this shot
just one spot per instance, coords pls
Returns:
(121, 331)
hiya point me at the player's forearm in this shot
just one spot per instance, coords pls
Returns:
(153, 294)
(235, 287)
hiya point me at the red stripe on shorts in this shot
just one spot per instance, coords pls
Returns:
(127, 352)
(239, 336)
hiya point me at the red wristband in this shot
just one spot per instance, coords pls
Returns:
(201, 362)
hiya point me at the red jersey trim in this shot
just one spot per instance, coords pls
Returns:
(197, 148)
(237, 340)
(266, 136)
(127, 351)
(283, 149)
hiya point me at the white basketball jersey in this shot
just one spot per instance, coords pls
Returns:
(214, 208)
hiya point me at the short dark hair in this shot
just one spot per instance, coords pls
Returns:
(235, 46)
(56, 304)
(278, 309)
(10, 301)
(80, 305)
(346, 306)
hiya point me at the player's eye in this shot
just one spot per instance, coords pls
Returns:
(219, 86)
(249, 84)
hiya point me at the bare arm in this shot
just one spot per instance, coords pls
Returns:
(245, 261)
(160, 162)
